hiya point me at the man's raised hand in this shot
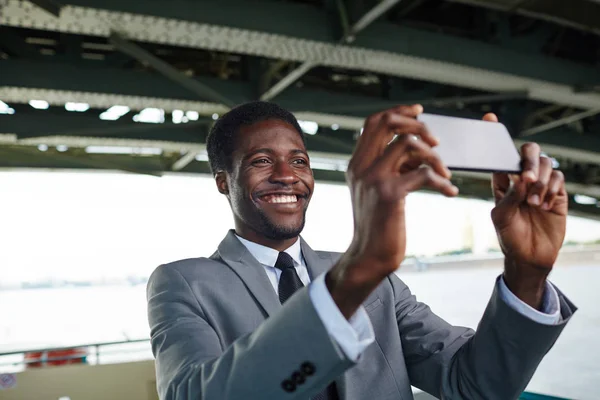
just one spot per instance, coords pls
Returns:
(393, 157)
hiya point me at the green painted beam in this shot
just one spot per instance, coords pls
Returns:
(103, 79)
(39, 123)
(65, 76)
(285, 18)
(310, 22)
(15, 45)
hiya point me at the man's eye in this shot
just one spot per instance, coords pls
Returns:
(300, 161)
(260, 161)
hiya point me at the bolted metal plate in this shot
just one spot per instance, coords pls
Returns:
(96, 22)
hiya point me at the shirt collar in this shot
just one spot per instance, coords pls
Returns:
(268, 256)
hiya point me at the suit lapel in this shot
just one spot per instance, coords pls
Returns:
(250, 271)
(315, 263)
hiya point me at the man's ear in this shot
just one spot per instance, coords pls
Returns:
(221, 179)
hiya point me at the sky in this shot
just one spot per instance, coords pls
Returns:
(93, 225)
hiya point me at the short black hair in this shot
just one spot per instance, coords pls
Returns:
(220, 143)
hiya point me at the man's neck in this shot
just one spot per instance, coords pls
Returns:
(255, 237)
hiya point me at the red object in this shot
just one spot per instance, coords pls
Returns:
(37, 359)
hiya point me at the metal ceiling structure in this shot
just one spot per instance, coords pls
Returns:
(181, 63)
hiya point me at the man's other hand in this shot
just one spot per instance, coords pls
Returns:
(530, 219)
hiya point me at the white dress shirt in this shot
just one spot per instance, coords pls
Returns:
(355, 334)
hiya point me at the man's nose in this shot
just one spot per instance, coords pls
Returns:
(283, 173)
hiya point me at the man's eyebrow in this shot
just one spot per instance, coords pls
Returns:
(299, 151)
(256, 151)
(270, 151)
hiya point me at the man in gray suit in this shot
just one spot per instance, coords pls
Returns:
(228, 326)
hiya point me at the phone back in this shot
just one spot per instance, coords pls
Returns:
(473, 145)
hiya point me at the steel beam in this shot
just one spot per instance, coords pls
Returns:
(560, 122)
(369, 17)
(287, 80)
(374, 106)
(15, 45)
(51, 6)
(349, 37)
(139, 90)
(185, 160)
(203, 91)
(264, 29)
(522, 7)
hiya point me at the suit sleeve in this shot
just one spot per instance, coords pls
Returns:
(495, 362)
(291, 349)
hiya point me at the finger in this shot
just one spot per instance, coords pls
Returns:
(500, 185)
(556, 187)
(425, 177)
(537, 191)
(392, 124)
(530, 160)
(408, 149)
(380, 129)
(490, 117)
(371, 127)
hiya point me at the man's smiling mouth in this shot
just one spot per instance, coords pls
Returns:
(280, 198)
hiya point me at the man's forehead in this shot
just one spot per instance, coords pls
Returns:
(271, 133)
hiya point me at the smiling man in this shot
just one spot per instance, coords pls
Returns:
(267, 317)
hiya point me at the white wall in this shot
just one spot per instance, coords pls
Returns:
(129, 381)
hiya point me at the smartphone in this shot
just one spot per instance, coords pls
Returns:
(473, 145)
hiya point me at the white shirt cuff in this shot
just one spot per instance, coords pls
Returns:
(550, 310)
(353, 335)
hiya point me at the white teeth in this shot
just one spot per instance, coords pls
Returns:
(282, 199)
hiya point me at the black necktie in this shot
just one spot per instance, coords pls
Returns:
(289, 282)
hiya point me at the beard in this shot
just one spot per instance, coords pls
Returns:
(274, 231)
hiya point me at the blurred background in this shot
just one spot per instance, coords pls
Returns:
(104, 111)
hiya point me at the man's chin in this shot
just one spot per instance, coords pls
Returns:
(278, 231)
(281, 228)
(282, 233)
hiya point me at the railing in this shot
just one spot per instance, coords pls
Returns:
(95, 353)
(96, 350)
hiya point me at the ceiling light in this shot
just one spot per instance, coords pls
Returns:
(335, 127)
(5, 108)
(192, 115)
(42, 147)
(114, 113)
(328, 164)
(76, 107)
(39, 104)
(177, 116)
(62, 148)
(309, 127)
(147, 151)
(150, 115)
(215, 116)
(202, 156)
(585, 200)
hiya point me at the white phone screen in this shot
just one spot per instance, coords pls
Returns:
(473, 145)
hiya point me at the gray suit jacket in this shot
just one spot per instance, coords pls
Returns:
(219, 332)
